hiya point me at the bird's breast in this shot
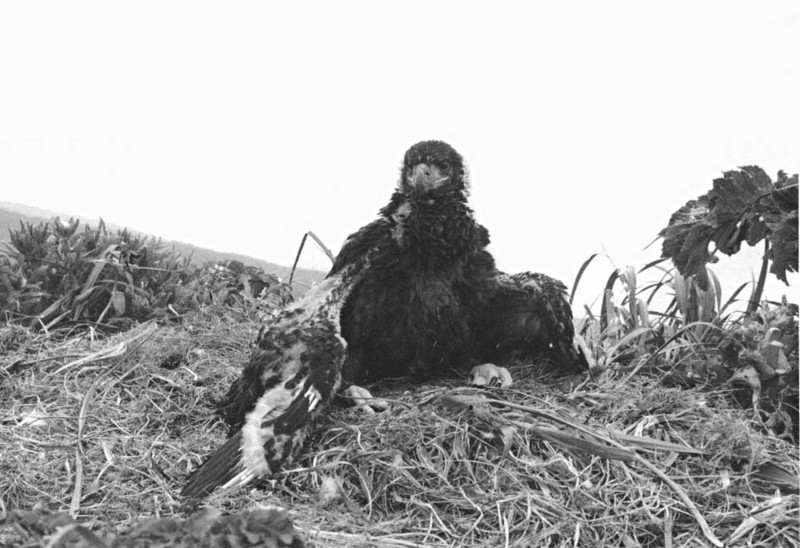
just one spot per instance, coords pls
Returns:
(432, 235)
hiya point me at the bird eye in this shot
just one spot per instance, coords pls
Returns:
(445, 165)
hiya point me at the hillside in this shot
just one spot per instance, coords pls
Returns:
(12, 213)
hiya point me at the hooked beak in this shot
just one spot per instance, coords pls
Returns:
(424, 176)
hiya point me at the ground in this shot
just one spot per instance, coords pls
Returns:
(107, 429)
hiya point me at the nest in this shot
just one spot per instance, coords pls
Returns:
(107, 431)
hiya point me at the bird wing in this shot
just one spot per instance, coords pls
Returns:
(277, 425)
(359, 244)
(530, 312)
(287, 382)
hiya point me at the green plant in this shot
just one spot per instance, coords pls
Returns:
(235, 285)
(53, 273)
(743, 205)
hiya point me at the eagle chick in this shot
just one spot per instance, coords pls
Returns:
(413, 294)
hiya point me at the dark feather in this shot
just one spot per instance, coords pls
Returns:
(528, 315)
(224, 465)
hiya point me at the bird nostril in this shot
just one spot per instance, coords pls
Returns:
(424, 171)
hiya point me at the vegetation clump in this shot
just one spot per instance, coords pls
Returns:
(53, 275)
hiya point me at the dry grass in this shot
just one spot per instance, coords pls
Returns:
(108, 430)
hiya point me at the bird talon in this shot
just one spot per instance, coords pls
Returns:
(489, 374)
(364, 401)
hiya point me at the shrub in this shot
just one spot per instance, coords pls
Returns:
(52, 274)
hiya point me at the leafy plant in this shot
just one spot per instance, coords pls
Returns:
(669, 326)
(743, 205)
(696, 338)
(53, 273)
(238, 286)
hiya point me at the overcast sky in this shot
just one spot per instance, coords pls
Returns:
(241, 125)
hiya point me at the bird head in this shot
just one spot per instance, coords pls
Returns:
(431, 166)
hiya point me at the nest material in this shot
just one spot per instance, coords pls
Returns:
(100, 430)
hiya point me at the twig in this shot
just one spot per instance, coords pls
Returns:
(379, 540)
(111, 352)
(75, 503)
(300, 250)
(755, 297)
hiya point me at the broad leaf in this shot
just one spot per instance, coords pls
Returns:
(743, 205)
(784, 249)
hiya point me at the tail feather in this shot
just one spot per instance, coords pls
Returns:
(224, 467)
(273, 432)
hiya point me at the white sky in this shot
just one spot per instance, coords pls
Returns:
(241, 125)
